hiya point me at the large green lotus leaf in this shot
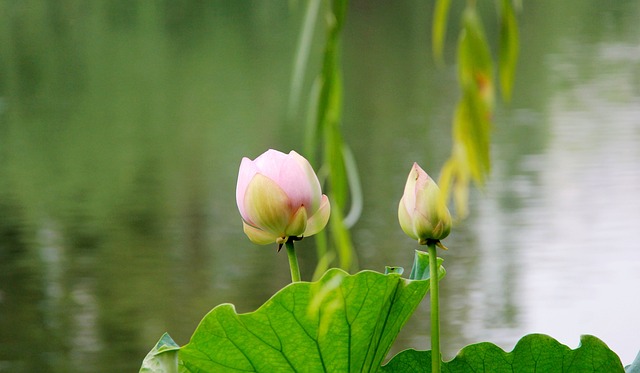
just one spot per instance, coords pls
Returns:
(534, 353)
(339, 323)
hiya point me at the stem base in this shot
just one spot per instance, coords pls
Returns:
(293, 261)
(435, 312)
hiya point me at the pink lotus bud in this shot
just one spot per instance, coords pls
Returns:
(422, 212)
(279, 196)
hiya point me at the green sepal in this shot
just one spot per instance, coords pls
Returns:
(163, 358)
(420, 269)
(393, 270)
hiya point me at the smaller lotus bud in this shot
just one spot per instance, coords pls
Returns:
(423, 213)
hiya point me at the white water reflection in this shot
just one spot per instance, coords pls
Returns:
(578, 257)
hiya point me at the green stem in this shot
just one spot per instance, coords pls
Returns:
(435, 313)
(293, 261)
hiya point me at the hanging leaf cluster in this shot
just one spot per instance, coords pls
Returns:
(470, 156)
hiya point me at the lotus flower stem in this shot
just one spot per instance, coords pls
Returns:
(435, 312)
(293, 261)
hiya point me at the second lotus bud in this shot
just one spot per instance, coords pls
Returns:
(423, 213)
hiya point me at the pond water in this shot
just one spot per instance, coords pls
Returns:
(122, 126)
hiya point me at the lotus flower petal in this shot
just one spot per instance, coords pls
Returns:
(409, 195)
(406, 223)
(266, 205)
(258, 236)
(311, 180)
(245, 175)
(319, 220)
(286, 171)
(297, 224)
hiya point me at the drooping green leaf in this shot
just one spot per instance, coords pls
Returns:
(509, 46)
(302, 55)
(472, 136)
(474, 55)
(440, 14)
(163, 358)
(355, 187)
(470, 159)
(325, 136)
(535, 353)
(340, 323)
(333, 150)
(341, 238)
(455, 178)
(472, 120)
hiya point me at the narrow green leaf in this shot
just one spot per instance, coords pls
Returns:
(328, 113)
(509, 48)
(341, 237)
(534, 353)
(338, 181)
(355, 187)
(474, 55)
(163, 358)
(440, 14)
(325, 257)
(311, 138)
(471, 133)
(339, 8)
(302, 55)
(340, 323)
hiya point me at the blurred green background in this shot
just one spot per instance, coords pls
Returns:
(123, 123)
